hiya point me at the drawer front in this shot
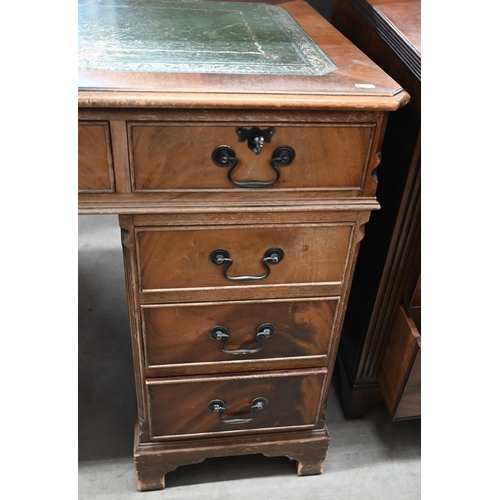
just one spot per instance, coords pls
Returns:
(177, 157)
(95, 162)
(177, 258)
(399, 374)
(221, 336)
(179, 407)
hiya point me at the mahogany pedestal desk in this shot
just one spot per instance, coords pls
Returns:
(242, 199)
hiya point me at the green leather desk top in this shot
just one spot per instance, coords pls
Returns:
(189, 36)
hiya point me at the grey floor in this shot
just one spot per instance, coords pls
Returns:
(372, 458)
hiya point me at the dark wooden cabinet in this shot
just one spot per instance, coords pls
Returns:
(379, 353)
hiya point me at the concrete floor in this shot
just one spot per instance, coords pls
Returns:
(373, 458)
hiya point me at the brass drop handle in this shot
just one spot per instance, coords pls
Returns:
(224, 156)
(264, 331)
(218, 406)
(221, 257)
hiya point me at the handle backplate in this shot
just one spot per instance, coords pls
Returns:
(221, 333)
(218, 406)
(224, 156)
(221, 257)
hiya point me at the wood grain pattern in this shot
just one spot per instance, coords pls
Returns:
(283, 212)
(178, 406)
(131, 284)
(383, 14)
(400, 367)
(408, 14)
(179, 258)
(178, 335)
(243, 202)
(307, 448)
(95, 162)
(409, 406)
(184, 172)
(173, 156)
(120, 155)
(221, 115)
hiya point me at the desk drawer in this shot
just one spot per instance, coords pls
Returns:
(181, 258)
(167, 156)
(180, 406)
(185, 337)
(95, 161)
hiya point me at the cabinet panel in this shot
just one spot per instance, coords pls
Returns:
(177, 337)
(174, 156)
(400, 370)
(179, 258)
(95, 162)
(180, 406)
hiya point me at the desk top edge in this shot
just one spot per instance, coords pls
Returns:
(134, 99)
